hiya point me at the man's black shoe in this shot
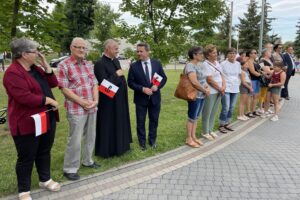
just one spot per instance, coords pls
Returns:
(72, 176)
(143, 147)
(94, 165)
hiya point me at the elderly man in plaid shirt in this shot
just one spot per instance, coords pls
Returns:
(78, 84)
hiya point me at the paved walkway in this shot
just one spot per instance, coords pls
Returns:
(260, 160)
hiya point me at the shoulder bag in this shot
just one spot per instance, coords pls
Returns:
(185, 89)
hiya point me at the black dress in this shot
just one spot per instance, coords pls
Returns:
(113, 132)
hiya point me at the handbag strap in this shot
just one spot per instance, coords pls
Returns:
(214, 67)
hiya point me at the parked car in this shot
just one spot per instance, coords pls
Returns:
(182, 60)
(121, 57)
(54, 62)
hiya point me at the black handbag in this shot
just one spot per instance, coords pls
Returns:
(264, 81)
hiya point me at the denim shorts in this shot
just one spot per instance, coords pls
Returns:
(195, 109)
(274, 90)
(255, 86)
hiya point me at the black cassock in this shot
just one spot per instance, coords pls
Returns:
(113, 132)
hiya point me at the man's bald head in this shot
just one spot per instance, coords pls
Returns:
(111, 48)
(78, 48)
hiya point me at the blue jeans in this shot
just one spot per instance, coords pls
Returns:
(195, 109)
(228, 102)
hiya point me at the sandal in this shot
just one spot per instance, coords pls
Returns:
(198, 141)
(208, 136)
(250, 115)
(25, 196)
(192, 144)
(50, 185)
(228, 128)
(213, 135)
(222, 129)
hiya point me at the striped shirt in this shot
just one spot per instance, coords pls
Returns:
(79, 78)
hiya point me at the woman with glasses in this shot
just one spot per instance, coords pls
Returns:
(254, 71)
(28, 87)
(195, 71)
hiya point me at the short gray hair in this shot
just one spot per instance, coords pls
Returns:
(264, 51)
(22, 45)
(75, 39)
(108, 42)
(145, 45)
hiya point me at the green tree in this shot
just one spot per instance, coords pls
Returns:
(167, 25)
(104, 24)
(80, 20)
(26, 18)
(249, 27)
(274, 38)
(297, 41)
(223, 35)
(58, 18)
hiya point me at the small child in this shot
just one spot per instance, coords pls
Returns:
(277, 81)
(245, 90)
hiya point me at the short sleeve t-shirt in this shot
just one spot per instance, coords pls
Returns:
(215, 71)
(231, 73)
(199, 69)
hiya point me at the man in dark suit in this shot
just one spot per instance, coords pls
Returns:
(290, 70)
(146, 94)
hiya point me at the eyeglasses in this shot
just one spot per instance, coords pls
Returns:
(78, 47)
(35, 52)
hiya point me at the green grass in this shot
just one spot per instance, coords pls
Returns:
(171, 134)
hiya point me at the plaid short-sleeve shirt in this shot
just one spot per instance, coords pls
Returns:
(80, 79)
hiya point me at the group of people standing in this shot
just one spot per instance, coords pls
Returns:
(257, 80)
(103, 121)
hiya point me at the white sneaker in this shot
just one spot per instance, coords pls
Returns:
(270, 111)
(274, 118)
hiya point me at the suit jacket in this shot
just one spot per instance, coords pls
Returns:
(137, 80)
(25, 98)
(289, 63)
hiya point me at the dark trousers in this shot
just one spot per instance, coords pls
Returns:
(285, 90)
(153, 113)
(31, 150)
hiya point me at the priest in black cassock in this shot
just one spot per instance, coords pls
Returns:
(113, 132)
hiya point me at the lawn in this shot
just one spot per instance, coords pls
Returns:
(171, 134)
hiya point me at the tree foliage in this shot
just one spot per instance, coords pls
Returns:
(104, 24)
(249, 28)
(166, 25)
(80, 20)
(26, 18)
(223, 35)
(297, 40)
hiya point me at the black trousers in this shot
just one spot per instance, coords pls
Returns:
(36, 150)
(141, 113)
(285, 90)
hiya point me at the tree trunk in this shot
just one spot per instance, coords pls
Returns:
(15, 19)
